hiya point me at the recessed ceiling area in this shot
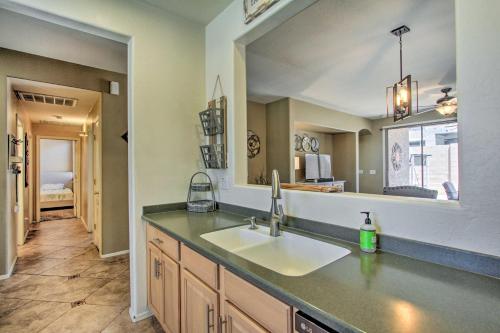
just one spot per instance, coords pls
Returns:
(51, 113)
(341, 55)
(201, 11)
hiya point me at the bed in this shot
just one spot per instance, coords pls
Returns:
(56, 190)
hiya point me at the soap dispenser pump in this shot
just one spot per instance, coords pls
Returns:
(368, 235)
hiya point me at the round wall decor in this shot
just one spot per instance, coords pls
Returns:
(298, 142)
(396, 157)
(253, 144)
(306, 143)
(314, 145)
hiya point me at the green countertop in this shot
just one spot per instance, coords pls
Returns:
(379, 292)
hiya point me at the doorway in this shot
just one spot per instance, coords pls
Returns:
(60, 126)
(58, 174)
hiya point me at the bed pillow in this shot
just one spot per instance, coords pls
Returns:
(46, 187)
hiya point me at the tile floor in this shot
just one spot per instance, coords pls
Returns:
(60, 284)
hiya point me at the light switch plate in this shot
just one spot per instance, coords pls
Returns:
(223, 183)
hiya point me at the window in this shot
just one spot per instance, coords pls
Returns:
(423, 155)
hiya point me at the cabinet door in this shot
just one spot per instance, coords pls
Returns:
(170, 273)
(200, 306)
(156, 299)
(238, 322)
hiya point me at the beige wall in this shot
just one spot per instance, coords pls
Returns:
(256, 122)
(344, 159)
(115, 188)
(278, 138)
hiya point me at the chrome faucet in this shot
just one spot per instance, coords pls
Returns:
(276, 214)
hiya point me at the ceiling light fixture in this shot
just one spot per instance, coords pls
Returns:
(447, 105)
(402, 92)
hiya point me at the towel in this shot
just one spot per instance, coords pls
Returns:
(325, 166)
(312, 168)
(318, 166)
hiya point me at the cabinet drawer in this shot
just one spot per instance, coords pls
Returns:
(164, 242)
(200, 266)
(269, 312)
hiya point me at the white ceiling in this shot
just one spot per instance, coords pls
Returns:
(201, 11)
(340, 54)
(38, 113)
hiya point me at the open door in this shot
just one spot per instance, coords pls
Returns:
(97, 173)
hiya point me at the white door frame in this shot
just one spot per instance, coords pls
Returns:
(76, 172)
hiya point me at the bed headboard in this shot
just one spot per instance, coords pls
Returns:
(56, 177)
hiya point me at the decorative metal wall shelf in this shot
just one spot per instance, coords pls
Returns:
(214, 123)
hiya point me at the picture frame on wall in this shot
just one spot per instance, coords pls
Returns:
(254, 8)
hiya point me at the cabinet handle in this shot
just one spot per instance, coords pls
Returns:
(157, 240)
(159, 268)
(210, 313)
(156, 268)
(222, 323)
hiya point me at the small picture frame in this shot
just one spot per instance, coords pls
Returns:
(254, 8)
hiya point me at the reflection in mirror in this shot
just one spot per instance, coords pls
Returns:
(320, 109)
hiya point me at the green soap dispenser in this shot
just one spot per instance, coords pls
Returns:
(367, 235)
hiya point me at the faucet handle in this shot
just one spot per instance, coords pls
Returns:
(253, 224)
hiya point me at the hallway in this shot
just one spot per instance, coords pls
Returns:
(60, 284)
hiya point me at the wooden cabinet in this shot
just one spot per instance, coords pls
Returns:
(163, 289)
(165, 243)
(237, 322)
(170, 272)
(268, 311)
(155, 283)
(187, 292)
(199, 306)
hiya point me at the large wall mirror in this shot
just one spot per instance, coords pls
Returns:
(334, 106)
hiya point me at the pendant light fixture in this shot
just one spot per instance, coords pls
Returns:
(402, 92)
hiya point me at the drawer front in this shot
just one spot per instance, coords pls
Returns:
(167, 244)
(269, 312)
(204, 269)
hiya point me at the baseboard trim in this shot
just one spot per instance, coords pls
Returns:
(114, 254)
(9, 273)
(138, 317)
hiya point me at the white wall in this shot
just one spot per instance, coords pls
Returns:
(471, 224)
(30, 35)
(166, 80)
(56, 155)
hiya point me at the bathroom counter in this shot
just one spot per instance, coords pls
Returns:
(380, 292)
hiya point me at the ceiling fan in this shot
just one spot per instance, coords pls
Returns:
(446, 105)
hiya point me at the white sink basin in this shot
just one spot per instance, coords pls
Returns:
(289, 254)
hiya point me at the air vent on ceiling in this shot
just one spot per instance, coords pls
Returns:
(46, 99)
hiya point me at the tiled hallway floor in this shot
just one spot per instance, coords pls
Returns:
(60, 284)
